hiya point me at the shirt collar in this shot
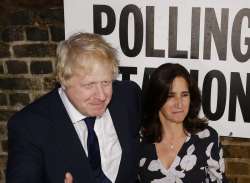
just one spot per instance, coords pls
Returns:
(73, 113)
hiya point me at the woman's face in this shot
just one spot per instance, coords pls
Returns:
(176, 107)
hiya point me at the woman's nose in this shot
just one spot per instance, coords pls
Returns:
(179, 102)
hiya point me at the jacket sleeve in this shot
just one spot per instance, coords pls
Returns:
(24, 155)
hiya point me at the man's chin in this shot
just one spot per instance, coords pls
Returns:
(98, 112)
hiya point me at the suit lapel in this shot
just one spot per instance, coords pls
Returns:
(73, 154)
(70, 148)
(120, 120)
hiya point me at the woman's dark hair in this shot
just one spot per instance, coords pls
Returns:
(156, 94)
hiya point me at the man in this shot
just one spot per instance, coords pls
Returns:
(51, 136)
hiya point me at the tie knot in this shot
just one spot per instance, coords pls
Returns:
(90, 122)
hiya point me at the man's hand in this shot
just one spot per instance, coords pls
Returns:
(68, 178)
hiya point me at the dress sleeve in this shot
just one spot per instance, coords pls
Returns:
(215, 162)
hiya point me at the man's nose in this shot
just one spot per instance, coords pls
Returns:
(100, 94)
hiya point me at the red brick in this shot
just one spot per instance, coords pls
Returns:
(3, 130)
(37, 34)
(244, 180)
(4, 144)
(13, 33)
(17, 67)
(4, 50)
(3, 160)
(238, 168)
(236, 151)
(5, 114)
(35, 50)
(19, 99)
(41, 67)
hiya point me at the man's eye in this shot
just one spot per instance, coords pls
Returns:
(106, 83)
(88, 85)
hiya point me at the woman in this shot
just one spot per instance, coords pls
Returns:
(177, 145)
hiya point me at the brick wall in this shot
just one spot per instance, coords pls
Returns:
(237, 155)
(28, 39)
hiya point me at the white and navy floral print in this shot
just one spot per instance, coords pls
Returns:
(200, 160)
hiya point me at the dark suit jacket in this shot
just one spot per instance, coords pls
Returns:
(43, 143)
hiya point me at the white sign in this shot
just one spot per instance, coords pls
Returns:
(210, 38)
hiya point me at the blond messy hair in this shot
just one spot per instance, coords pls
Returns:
(83, 51)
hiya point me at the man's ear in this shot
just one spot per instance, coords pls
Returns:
(63, 87)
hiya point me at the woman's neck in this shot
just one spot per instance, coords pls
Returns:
(173, 131)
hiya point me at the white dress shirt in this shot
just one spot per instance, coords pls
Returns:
(110, 148)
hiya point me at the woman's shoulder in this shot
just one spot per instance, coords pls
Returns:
(208, 134)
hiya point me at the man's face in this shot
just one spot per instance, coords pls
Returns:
(91, 93)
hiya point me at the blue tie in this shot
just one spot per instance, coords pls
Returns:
(94, 152)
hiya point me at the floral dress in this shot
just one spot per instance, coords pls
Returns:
(200, 160)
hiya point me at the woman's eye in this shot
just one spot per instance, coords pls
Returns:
(185, 94)
(170, 95)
